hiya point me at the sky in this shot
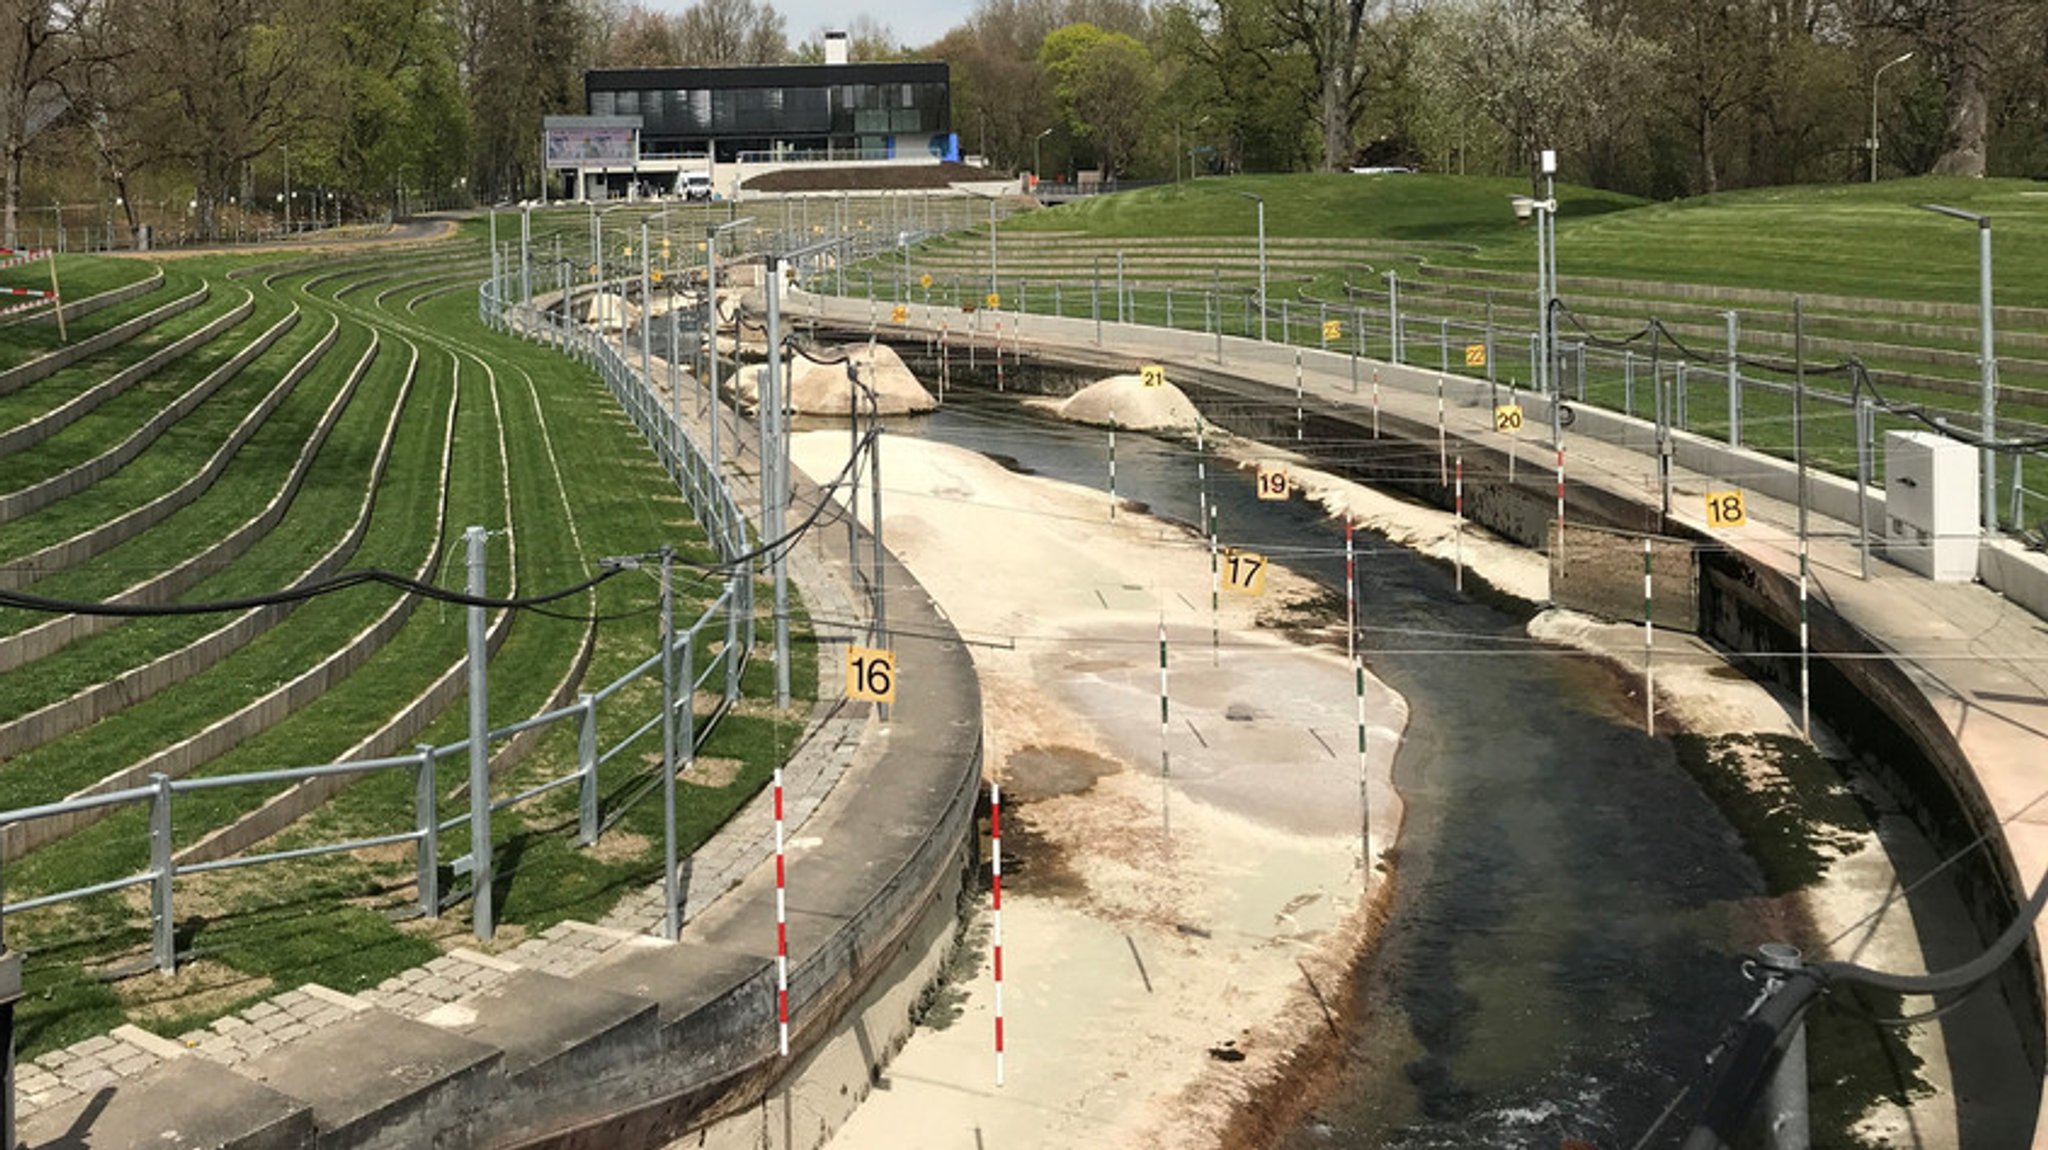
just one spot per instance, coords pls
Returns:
(915, 22)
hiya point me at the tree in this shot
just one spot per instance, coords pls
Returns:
(522, 61)
(1542, 72)
(1960, 38)
(1252, 87)
(214, 84)
(644, 38)
(1103, 82)
(1328, 31)
(713, 33)
(39, 41)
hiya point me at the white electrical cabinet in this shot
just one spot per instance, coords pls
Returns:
(1930, 505)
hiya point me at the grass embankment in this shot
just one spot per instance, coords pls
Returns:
(333, 919)
(78, 278)
(1870, 260)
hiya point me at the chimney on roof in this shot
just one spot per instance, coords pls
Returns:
(835, 47)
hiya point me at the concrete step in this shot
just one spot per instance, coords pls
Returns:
(375, 1079)
(723, 999)
(178, 1104)
(570, 1051)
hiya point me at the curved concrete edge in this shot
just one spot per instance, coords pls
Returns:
(1932, 706)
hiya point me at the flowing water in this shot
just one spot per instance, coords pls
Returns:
(1570, 909)
(1557, 958)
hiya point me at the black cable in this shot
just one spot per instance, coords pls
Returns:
(25, 601)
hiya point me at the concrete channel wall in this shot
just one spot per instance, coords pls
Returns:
(1744, 603)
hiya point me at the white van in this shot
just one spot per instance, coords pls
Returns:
(696, 186)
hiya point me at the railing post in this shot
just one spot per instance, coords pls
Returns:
(1443, 345)
(427, 825)
(586, 765)
(479, 748)
(1734, 387)
(163, 922)
(1628, 383)
(670, 894)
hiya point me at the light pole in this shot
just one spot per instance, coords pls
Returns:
(1873, 111)
(1034, 151)
(1987, 360)
(1546, 291)
(1261, 201)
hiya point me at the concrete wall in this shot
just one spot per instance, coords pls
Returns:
(44, 366)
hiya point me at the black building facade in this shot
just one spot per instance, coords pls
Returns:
(791, 111)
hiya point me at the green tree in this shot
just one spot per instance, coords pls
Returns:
(1104, 84)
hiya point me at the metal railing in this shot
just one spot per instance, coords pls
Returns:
(712, 651)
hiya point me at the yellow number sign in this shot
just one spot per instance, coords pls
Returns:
(1475, 355)
(1724, 509)
(871, 674)
(1244, 572)
(1152, 375)
(925, 280)
(1333, 330)
(1508, 418)
(899, 314)
(993, 300)
(1272, 483)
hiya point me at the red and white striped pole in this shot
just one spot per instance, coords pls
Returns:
(1364, 797)
(1560, 496)
(1350, 594)
(781, 924)
(995, 834)
(1443, 456)
(1649, 649)
(1458, 502)
(1165, 756)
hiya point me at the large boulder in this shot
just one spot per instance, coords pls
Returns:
(821, 386)
(1126, 401)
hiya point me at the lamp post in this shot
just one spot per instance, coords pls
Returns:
(1987, 360)
(1034, 151)
(1261, 201)
(287, 190)
(1546, 291)
(1873, 111)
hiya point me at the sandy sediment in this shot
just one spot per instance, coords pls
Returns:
(1166, 942)
(1163, 988)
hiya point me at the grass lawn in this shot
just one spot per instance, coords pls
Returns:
(1853, 239)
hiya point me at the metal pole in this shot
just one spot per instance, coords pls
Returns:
(671, 895)
(479, 747)
(1262, 271)
(1394, 315)
(1786, 1114)
(1864, 419)
(1799, 460)
(775, 478)
(1988, 359)
(1734, 388)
